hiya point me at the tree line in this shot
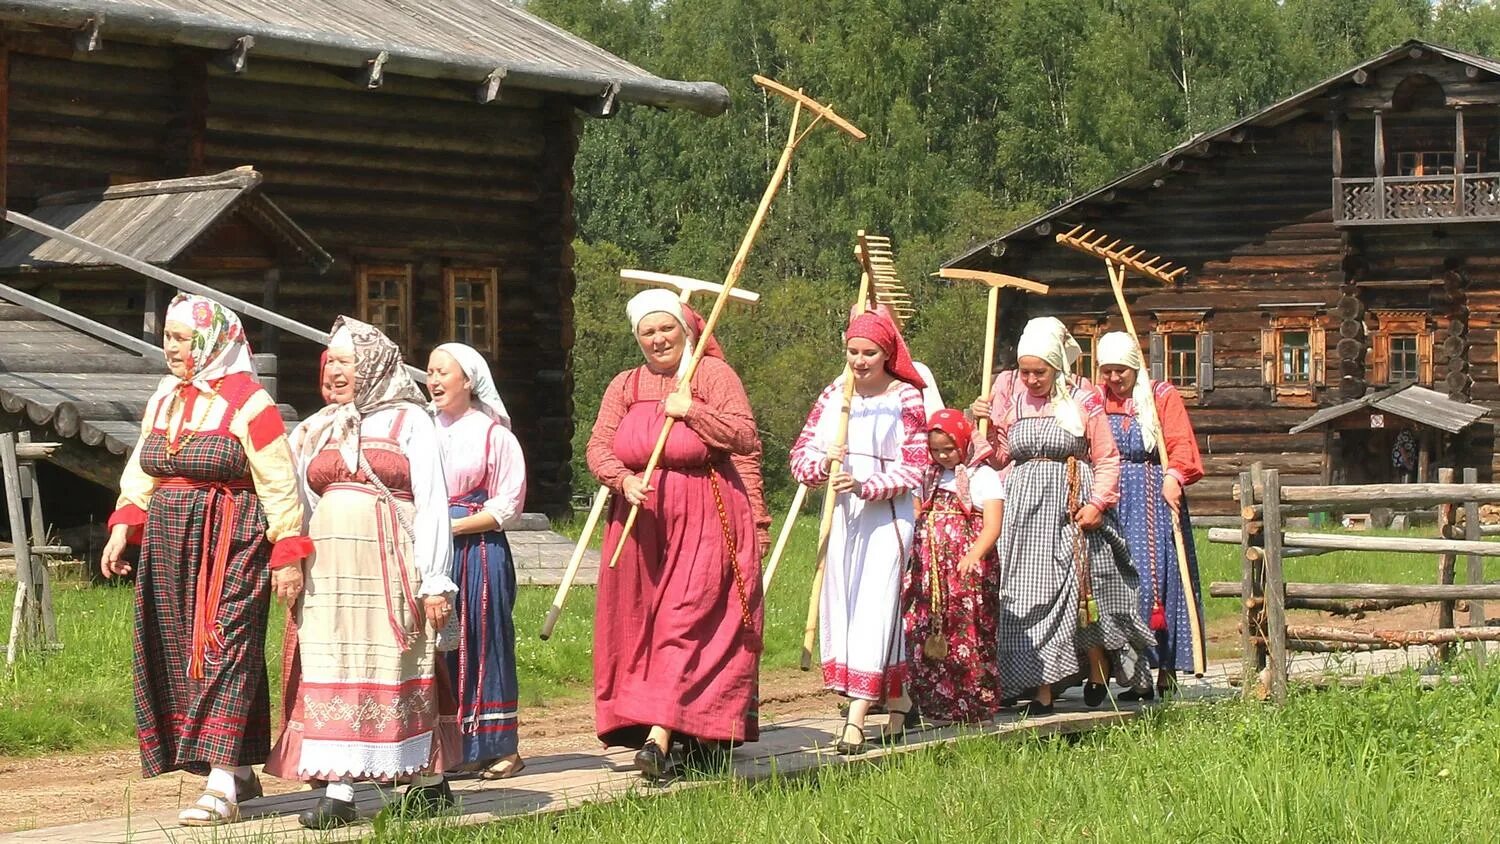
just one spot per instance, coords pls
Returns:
(980, 114)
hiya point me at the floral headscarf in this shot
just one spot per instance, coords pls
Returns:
(218, 347)
(380, 381)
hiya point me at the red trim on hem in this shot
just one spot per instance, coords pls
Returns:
(290, 551)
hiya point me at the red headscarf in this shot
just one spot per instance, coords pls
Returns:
(877, 327)
(956, 425)
(693, 322)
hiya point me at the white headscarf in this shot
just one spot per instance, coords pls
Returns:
(1047, 338)
(657, 300)
(1119, 349)
(480, 382)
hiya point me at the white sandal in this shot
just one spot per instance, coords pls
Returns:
(206, 811)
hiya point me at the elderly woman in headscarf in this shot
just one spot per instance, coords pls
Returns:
(1143, 413)
(1068, 601)
(210, 492)
(486, 490)
(874, 473)
(677, 629)
(1008, 382)
(365, 694)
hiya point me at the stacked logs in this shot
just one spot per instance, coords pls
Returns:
(1459, 383)
(1353, 339)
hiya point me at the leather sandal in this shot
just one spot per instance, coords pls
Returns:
(850, 748)
(206, 811)
(504, 769)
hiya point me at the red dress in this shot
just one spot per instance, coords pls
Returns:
(677, 629)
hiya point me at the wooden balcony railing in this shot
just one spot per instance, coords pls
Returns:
(1397, 200)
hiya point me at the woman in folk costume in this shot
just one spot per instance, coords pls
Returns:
(210, 492)
(1008, 382)
(1068, 597)
(1149, 500)
(365, 695)
(951, 587)
(863, 648)
(677, 630)
(486, 490)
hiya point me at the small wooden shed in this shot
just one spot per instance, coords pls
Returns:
(1393, 435)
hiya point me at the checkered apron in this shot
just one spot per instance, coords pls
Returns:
(222, 718)
(1039, 638)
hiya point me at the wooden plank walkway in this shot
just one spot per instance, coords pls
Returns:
(559, 782)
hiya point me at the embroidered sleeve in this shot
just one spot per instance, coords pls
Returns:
(261, 433)
(608, 468)
(1104, 455)
(432, 544)
(906, 475)
(505, 476)
(722, 418)
(1183, 460)
(809, 454)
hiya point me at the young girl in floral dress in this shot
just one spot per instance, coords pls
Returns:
(952, 584)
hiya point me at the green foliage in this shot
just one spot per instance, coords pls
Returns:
(981, 113)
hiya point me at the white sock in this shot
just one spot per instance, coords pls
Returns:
(341, 790)
(423, 780)
(222, 780)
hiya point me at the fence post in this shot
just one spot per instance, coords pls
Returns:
(1275, 580)
(22, 629)
(1252, 604)
(1446, 562)
(31, 488)
(1475, 575)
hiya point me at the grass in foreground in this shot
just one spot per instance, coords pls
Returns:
(1388, 762)
(80, 698)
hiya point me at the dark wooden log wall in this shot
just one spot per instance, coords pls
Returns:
(416, 171)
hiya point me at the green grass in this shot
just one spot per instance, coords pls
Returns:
(80, 698)
(1390, 762)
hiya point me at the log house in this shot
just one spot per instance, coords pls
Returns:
(1339, 242)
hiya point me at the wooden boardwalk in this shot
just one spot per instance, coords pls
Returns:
(558, 782)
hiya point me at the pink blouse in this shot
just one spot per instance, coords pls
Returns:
(478, 452)
(1104, 455)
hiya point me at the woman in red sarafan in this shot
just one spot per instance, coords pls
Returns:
(677, 631)
(210, 492)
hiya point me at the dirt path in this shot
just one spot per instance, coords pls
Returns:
(72, 788)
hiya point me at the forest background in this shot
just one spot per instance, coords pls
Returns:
(980, 113)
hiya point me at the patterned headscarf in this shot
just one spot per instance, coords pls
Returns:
(480, 383)
(878, 327)
(1120, 349)
(957, 426)
(218, 348)
(1047, 338)
(380, 381)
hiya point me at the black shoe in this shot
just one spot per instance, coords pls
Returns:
(1035, 709)
(1133, 695)
(653, 762)
(420, 801)
(329, 814)
(1095, 693)
(897, 735)
(247, 789)
(850, 748)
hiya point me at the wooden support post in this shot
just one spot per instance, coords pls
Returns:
(23, 629)
(1446, 562)
(151, 319)
(1459, 154)
(270, 335)
(1325, 466)
(4, 124)
(1424, 456)
(1335, 118)
(1379, 166)
(1252, 595)
(33, 489)
(1275, 586)
(1475, 573)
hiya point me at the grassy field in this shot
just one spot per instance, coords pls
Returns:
(1386, 763)
(80, 698)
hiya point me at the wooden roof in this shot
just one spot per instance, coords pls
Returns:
(470, 40)
(1201, 145)
(156, 222)
(1409, 401)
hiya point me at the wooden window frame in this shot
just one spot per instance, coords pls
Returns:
(1391, 324)
(489, 277)
(402, 273)
(1178, 324)
(1086, 332)
(1294, 393)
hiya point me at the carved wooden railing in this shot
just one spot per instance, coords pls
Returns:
(1394, 200)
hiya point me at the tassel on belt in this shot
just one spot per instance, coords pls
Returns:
(219, 510)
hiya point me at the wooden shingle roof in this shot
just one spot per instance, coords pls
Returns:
(1409, 401)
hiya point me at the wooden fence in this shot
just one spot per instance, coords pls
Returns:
(1266, 594)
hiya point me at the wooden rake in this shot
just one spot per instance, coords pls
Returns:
(996, 282)
(885, 289)
(1118, 259)
(686, 288)
(796, 134)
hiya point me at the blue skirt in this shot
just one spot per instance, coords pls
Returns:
(1155, 555)
(483, 667)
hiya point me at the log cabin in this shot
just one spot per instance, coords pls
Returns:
(1340, 242)
(411, 164)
